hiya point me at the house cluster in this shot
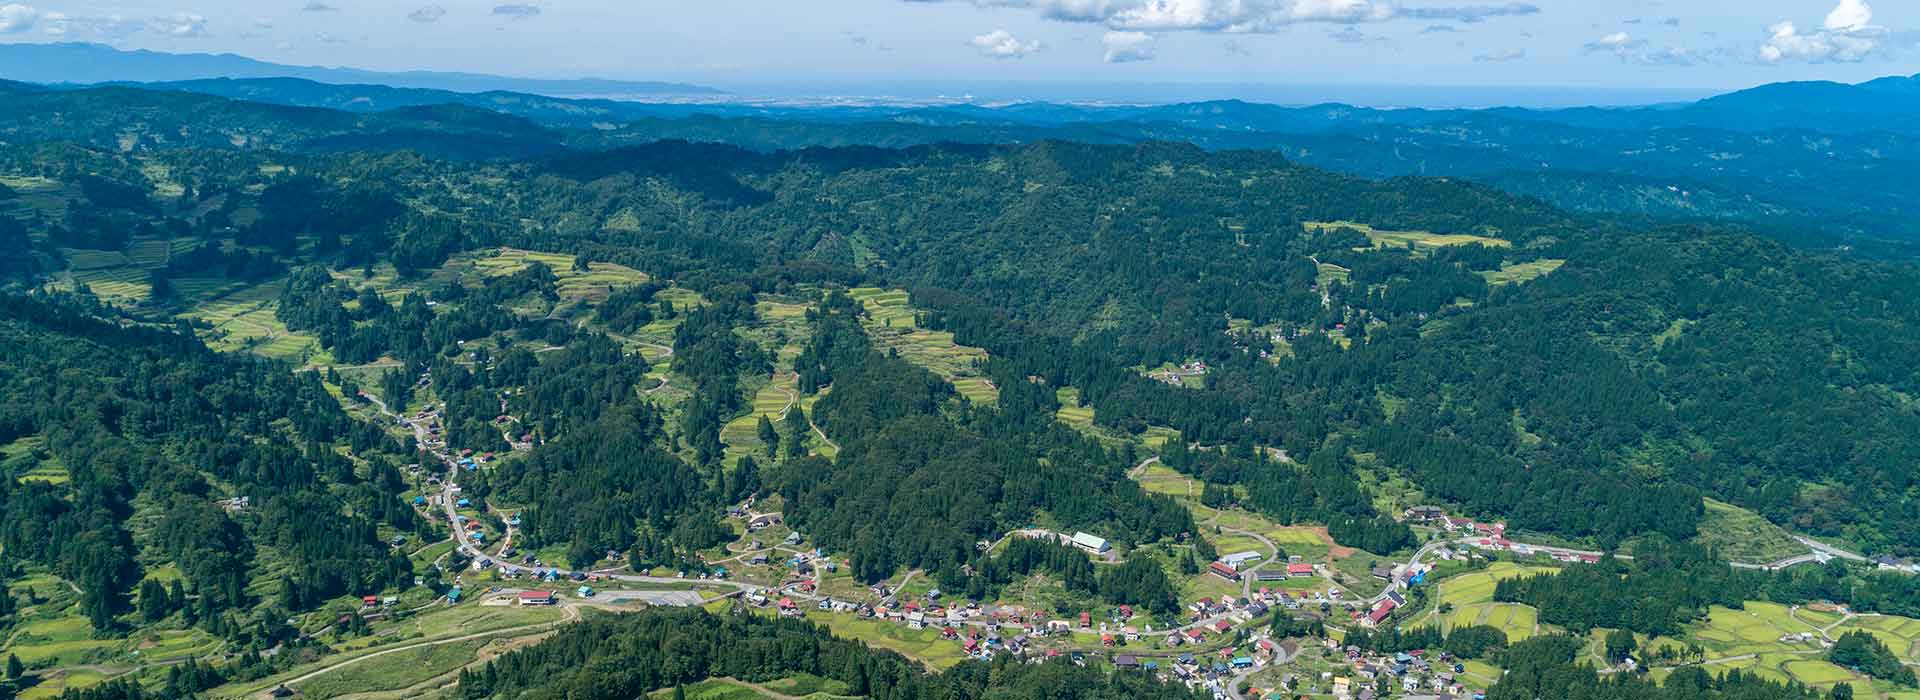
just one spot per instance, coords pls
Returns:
(370, 602)
(1177, 375)
(237, 504)
(1414, 672)
(1381, 610)
(1230, 566)
(1216, 670)
(1888, 563)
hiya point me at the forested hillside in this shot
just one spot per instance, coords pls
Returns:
(174, 456)
(1624, 382)
(451, 344)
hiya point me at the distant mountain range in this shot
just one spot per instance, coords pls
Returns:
(1828, 162)
(77, 63)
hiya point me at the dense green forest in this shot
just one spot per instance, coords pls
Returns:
(1595, 403)
(918, 481)
(150, 424)
(1586, 377)
(625, 656)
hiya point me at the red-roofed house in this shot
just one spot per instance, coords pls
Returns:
(536, 597)
(1380, 612)
(1300, 568)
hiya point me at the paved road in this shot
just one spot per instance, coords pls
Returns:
(449, 491)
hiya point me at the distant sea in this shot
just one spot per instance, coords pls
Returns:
(1377, 96)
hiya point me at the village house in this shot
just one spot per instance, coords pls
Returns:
(1425, 514)
(536, 597)
(1240, 560)
(1090, 543)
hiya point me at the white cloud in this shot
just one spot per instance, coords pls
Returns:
(1850, 15)
(1506, 56)
(1352, 35)
(179, 25)
(16, 18)
(1000, 43)
(1127, 47)
(517, 11)
(1637, 51)
(1244, 16)
(109, 27)
(1847, 36)
(428, 14)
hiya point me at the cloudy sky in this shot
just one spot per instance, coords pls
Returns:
(732, 43)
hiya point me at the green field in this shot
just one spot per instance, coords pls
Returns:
(891, 322)
(1071, 412)
(1421, 240)
(244, 320)
(114, 284)
(1471, 596)
(1162, 479)
(41, 195)
(924, 646)
(392, 672)
(1750, 639)
(742, 435)
(1743, 536)
(1522, 272)
(150, 253)
(1900, 634)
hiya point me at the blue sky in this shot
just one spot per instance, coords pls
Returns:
(801, 44)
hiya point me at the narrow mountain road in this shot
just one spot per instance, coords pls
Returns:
(569, 614)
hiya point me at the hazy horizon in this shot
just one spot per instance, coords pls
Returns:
(1375, 52)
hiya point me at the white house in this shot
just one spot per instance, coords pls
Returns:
(1097, 545)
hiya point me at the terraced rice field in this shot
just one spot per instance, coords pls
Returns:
(592, 285)
(1522, 272)
(1900, 634)
(1071, 412)
(244, 319)
(887, 307)
(39, 194)
(123, 284)
(1164, 480)
(79, 259)
(1471, 596)
(978, 390)
(1750, 639)
(150, 253)
(1421, 240)
(1157, 437)
(742, 435)
(58, 641)
(891, 323)
(1743, 536)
